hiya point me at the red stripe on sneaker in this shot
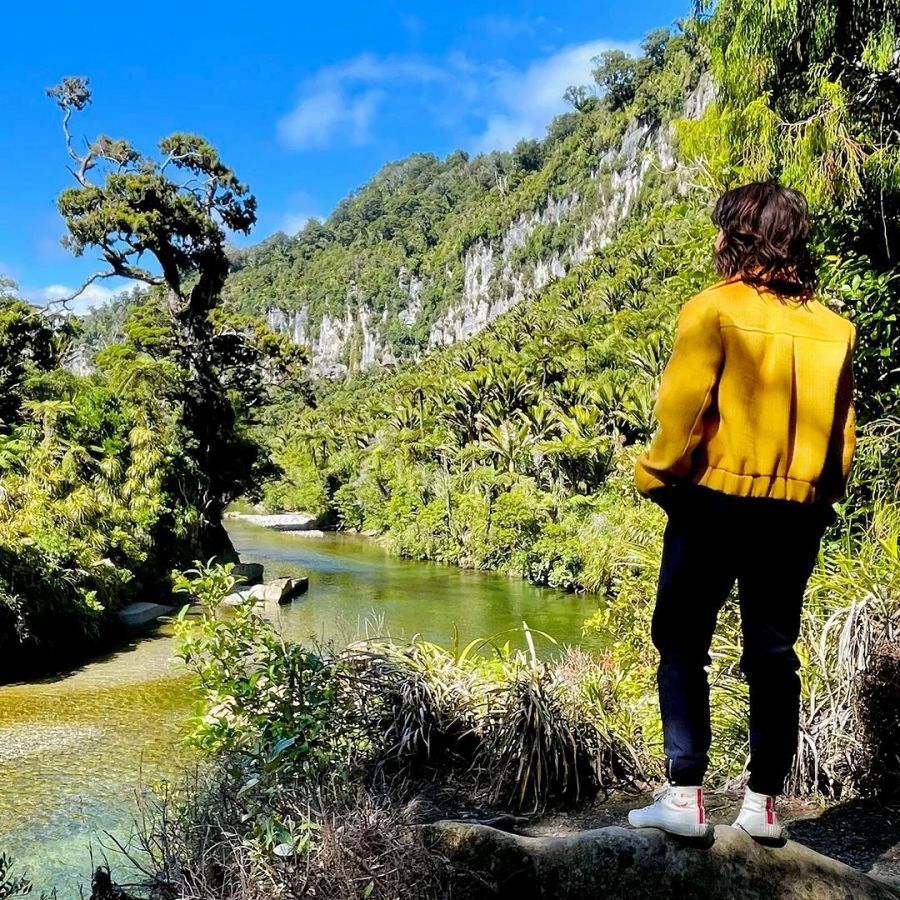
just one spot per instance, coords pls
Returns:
(700, 805)
(770, 811)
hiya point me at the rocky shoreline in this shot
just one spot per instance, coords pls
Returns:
(298, 523)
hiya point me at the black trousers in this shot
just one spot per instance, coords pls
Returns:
(770, 548)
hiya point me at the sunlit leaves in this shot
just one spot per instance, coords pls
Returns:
(808, 91)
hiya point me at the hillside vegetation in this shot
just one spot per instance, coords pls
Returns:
(424, 242)
(514, 450)
(530, 419)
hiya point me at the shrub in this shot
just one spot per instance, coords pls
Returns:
(11, 885)
(878, 711)
(266, 704)
(535, 754)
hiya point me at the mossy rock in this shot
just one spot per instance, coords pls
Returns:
(622, 864)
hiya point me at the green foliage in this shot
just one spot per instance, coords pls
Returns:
(531, 733)
(474, 455)
(271, 704)
(12, 885)
(873, 295)
(111, 478)
(89, 508)
(175, 210)
(808, 92)
(615, 75)
(535, 753)
(27, 342)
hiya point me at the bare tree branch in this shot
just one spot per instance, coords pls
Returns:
(68, 134)
(85, 162)
(127, 270)
(65, 301)
(173, 157)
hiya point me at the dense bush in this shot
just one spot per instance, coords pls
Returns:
(84, 501)
(97, 470)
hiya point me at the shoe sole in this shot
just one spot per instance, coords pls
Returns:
(766, 833)
(688, 829)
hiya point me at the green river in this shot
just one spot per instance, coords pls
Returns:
(76, 749)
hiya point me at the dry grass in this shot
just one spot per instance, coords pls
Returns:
(878, 710)
(205, 844)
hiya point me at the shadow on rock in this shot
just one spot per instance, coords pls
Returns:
(858, 833)
(633, 865)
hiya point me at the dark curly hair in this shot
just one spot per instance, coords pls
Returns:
(765, 238)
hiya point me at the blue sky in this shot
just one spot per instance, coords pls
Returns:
(304, 101)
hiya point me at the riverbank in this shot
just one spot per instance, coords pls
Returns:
(65, 643)
(77, 746)
(64, 646)
(508, 741)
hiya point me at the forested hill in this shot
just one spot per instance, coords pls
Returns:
(430, 251)
(506, 450)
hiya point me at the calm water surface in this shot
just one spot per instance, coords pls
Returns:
(76, 749)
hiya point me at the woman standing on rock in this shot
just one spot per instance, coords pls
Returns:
(756, 433)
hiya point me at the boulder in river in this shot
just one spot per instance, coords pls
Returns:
(240, 595)
(622, 864)
(280, 590)
(138, 615)
(248, 573)
(283, 590)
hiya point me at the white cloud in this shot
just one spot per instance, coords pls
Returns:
(327, 114)
(525, 100)
(93, 295)
(339, 102)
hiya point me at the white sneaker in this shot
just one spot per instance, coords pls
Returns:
(757, 817)
(675, 809)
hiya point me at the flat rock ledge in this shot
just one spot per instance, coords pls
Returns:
(623, 864)
(281, 591)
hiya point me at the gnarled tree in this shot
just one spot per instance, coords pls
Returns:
(161, 221)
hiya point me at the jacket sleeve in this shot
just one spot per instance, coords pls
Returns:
(842, 445)
(685, 394)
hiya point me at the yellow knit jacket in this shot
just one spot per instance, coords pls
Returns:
(756, 399)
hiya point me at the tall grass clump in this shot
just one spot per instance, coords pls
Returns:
(850, 627)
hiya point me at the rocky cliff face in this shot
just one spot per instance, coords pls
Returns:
(494, 276)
